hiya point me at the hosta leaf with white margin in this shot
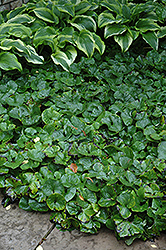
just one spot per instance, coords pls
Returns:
(99, 44)
(114, 6)
(114, 29)
(105, 19)
(33, 57)
(65, 59)
(66, 35)
(83, 22)
(82, 7)
(7, 44)
(19, 30)
(144, 25)
(44, 35)
(85, 42)
(124, 40)
(126, 12)
(162, 32)
(8, 61)
(24, 18)
(4, 28)
(151, 38)
(68, 8)
(46, 15)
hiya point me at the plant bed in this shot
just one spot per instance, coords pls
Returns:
(87, 142)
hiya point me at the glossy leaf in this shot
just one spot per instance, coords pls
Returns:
(9, 61)
(151, 38)
(114, 29)
(56, 201)
(124, 40)
(46, 15)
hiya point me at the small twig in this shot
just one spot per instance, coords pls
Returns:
(45, 236)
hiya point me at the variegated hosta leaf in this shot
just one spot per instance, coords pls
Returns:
(45, 36)
(162, 32)
(8, 44)
(8, 61)
(46, 15)
(13, 29)
(85, 42)
(114, 29)
(99, 44)
(144, 25)
(33, 57)
(82, 7)
(114, 6)
(66, 36)
(65, 59)
(24, 18)
(105, 19)
(151, 38)
(84, 22)
(124, 40)
(66, 8)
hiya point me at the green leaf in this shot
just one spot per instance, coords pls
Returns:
(85, 42)
(23, 18)
(56, 201)
(126, 199)
(106, 202)
(46, 15)
(114, 29)
(162, 32)
(32, 56)
(37, 206)
(65, 59)
(113, 6)
(124, 40)
(70, 180)
(113, 122)
(105, 19)
(23, 203)
(127, 228)
(99, 44)
(52, 186)
(144, 25)
(36, 155)
(2, 160)
(82, 22)
(49, 116)
(8, 61)
(70, 193)
(20, 31)
(124, 211)
(162, 150)
(66, 7)
(151, 38)
(16, 162)
(82, 7)
(72, 208)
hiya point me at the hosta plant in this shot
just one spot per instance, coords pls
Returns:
(126, 21)
(64, 26)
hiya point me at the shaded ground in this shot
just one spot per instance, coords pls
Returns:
(24, 230)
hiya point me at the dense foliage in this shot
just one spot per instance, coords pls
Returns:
(67, 27)
(87, 142)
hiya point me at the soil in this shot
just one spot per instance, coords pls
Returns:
(22, 230)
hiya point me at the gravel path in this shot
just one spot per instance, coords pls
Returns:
(21, 230)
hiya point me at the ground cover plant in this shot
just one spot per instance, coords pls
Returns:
(87, 142)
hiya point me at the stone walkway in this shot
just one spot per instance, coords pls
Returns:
(21, 230)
